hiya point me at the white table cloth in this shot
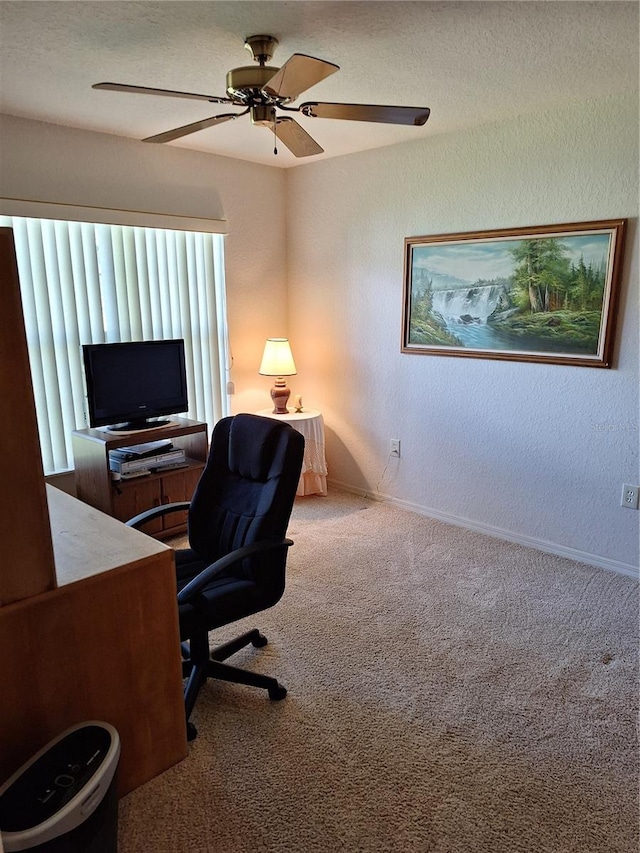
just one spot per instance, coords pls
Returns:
(313, 478)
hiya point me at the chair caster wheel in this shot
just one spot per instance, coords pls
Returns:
(259, 641)
(192, 732)
(276, 693)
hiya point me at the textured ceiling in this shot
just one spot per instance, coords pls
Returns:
(470, 62)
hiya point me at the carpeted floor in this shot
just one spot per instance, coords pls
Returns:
(448, 692)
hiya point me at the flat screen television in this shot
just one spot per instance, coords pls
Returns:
(131, 385)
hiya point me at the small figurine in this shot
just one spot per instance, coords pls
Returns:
(298, 401)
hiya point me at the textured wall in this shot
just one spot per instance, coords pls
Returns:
(47, 162)
(509, 447)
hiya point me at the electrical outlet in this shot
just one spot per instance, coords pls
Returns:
(395, 447)
(630, 496)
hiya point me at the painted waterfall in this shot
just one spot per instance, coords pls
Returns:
(523, 293)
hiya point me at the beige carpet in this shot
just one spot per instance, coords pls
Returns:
(448, 692)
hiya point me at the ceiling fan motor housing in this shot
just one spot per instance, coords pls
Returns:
(246, 83)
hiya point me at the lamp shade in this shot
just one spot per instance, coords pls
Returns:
(277, 359)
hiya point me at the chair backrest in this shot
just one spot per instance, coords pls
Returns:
(248, 486)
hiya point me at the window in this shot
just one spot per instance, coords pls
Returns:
(99, 283)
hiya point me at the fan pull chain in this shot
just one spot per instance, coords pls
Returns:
(275, 134)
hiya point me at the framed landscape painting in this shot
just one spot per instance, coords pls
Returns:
(544, 294)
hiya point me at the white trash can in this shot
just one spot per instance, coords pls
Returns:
(65, 799)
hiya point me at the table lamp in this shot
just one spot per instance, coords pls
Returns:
(277, 361)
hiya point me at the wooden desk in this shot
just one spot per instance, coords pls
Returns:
(104, 645)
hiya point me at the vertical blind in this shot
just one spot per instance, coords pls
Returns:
(91, 283)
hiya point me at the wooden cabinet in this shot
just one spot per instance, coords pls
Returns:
(129, 497)
(125, 498)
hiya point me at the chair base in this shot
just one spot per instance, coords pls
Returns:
(201, 664)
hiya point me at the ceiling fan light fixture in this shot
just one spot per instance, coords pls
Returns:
(264, 116)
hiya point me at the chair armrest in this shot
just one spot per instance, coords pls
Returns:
(156, 512)
(195, 586)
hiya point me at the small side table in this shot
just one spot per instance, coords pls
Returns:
(313, 478)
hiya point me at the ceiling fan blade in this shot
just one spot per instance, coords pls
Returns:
(169, 93)
(298, 74)
(296, 138)
(186, 129)
(367, 112)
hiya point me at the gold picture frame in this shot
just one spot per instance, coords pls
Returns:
(542, 294)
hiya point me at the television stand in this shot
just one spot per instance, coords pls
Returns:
(127, 497)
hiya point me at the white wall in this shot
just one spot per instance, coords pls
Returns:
(506, 447)
(47, 162)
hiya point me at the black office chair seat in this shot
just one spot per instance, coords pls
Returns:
(226, 599)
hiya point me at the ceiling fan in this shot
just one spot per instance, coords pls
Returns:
(262, 90)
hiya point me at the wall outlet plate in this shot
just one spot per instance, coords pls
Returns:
(630, 495)
(395, 447)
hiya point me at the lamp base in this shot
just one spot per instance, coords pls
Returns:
(280, 395)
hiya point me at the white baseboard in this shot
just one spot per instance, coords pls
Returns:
(528, 541)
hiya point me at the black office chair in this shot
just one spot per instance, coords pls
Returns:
(235, 565)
